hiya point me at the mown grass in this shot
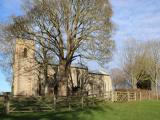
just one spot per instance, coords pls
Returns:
(145, 110)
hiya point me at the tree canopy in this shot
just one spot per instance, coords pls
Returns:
(65, 30)
(68, 28)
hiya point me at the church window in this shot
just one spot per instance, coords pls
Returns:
(25, 53)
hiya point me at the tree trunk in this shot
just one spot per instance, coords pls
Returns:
(156, 86)
(63, 74)
(46, 89)
(134, 83)
(45, 79)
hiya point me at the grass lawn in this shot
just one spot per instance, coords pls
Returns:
(145, 110)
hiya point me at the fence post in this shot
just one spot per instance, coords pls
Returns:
(135, 96)
(82, 102)
(116, 96)
(112, 95)
(128, 95)
(140, 96)
(6, 104)
(93, 100)
(149, 97)
(54, 102)
(69, 106)
(104, 97)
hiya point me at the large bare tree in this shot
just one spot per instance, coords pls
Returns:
(68, 29)
(135, 61)
(154, 63)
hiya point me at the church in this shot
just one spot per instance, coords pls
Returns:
(29, 81)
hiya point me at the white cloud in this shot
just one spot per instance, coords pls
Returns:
(136, 18)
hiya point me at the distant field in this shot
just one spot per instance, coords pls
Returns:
(145, 110)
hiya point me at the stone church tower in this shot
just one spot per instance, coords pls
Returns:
(24, 72)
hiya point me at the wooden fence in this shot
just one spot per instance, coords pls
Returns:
(31, 104)
(133, 95)
(1, 104)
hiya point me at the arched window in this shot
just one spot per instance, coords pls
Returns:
(25, 53)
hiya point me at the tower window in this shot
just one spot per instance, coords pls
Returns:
(25, 53)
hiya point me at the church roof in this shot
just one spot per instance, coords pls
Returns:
(98, 72)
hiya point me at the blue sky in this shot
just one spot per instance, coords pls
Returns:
(136, 19)
(8, 8)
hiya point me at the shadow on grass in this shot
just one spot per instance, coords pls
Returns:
(78, 114)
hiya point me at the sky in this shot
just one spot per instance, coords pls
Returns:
(134, 19)
(139, 19)
(9, 8)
